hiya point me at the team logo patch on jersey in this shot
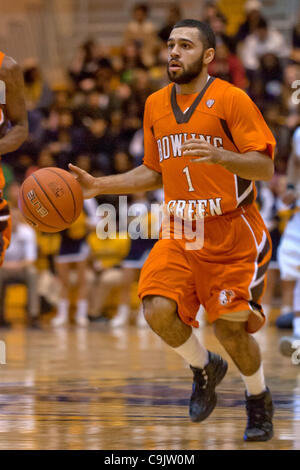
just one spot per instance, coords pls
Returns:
(226, 296)
(209, 103)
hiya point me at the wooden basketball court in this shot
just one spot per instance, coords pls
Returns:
(94, 388)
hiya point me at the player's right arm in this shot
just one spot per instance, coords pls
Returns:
(146, 177)
(141, 178)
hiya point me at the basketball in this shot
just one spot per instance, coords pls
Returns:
(50, 199)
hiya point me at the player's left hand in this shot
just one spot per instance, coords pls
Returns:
(200, 148)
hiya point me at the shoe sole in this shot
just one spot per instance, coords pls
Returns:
(219, 377)
(259, 439)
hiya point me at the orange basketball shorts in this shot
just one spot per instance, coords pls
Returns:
(5, 228)
(226, 276)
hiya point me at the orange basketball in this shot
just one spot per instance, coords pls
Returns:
(50, 199)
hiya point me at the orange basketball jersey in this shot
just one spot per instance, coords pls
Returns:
(3, 125)
(224, 116)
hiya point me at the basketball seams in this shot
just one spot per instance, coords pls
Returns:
(44, 192)
(34, 216)
(66, 182)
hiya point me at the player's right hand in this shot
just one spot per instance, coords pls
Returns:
(86, 181)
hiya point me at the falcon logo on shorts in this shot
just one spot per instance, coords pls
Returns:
(209, 103)
(226, 297)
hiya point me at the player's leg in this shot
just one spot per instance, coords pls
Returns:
(170, 307)
(161, 314)
(81, 314)
(232, 292)
(63, 274)
(245, 353)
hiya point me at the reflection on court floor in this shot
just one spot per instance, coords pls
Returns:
(97, 389)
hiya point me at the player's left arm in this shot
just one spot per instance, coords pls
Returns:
(250, 165)
(252, 138)
(12, 76)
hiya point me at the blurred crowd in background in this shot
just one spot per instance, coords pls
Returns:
(95, 121)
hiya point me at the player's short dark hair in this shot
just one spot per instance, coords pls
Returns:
(207, 35)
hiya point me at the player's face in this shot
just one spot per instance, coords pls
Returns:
(185, 55)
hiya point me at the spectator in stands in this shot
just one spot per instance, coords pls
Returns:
(253, 16)
(262, 41)
(86, 61)
(18, 267)
(73, 257)
(210, 10)
(122, 162)
(218, 24)
(142, 32)
(133, 263)
(275, 214)
(38, 94)
(107, 255)
(228, 66)
(271, 74)
(296, 41)
(290, 105)
(173, 16)
(276, 121)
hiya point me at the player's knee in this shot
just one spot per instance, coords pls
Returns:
(229, 331)
(159, 311)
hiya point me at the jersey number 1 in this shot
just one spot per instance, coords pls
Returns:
(188, 177)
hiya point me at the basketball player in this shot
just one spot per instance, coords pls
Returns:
(289, 248)
(205, 142)
(13, 130)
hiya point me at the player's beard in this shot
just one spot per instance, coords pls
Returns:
(185, 76)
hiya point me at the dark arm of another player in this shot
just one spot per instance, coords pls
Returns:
(250, 165)
(15, 108)
(141, 178)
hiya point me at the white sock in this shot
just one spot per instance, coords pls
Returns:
(296, 326)
(255, 384)
(122, 316)
(286, 309)
(193, 352)
(63, 309)
(82, 307)
(123, 310)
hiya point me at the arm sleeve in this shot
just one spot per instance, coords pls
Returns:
(151, 154)
(246, 123)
